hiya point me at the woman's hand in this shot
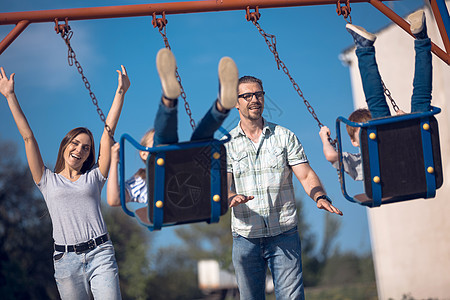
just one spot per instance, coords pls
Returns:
(124, 81)
(6, 85)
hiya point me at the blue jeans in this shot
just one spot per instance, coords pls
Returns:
(282, 253)
(89, 274)
(166, 125)
(373, 89)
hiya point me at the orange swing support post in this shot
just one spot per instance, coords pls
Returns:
(22, 19)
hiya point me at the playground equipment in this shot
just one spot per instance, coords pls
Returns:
(155, 216)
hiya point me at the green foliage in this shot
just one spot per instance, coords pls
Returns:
(349, 291)
(131, 243)
(26, 267)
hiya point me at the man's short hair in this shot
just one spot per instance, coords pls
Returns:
(360, 115)
(250, 79)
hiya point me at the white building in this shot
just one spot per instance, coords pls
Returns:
(411, 240)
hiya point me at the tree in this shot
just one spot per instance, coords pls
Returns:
(132, 244)
(26, 267)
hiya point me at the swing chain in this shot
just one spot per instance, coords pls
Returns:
(161, 24)
(388, 94)
(271, 43)
(66, 35)
(344, 10)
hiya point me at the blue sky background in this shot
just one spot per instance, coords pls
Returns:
(309, 41)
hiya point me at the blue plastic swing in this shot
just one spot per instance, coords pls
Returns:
(186, 183)
(401, 158)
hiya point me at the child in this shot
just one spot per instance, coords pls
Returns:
(166, 123)
(373, 89)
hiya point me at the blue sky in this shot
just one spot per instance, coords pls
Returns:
(309, 41)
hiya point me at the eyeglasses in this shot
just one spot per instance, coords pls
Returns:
(249, 96)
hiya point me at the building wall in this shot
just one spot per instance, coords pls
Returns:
(411, 240)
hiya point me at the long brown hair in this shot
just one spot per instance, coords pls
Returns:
(66, 141)
(146, 141)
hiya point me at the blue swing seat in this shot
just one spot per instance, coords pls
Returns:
(401, 158)
(186, 183)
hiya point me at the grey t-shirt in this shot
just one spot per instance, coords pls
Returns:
(74, 207)
(352, 164)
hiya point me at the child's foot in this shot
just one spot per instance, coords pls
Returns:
(228, 83)
(418, 24)
(361, 37)
(167, 66)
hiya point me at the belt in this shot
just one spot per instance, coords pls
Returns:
(82, 247)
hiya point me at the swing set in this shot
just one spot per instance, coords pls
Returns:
(187, 181)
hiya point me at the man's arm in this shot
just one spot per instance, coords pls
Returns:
(313, 187)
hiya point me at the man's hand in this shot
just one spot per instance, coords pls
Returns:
(326, 205)
(239, 199)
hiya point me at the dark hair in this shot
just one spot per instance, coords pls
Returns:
(358, 116)
(87, 165)
(250, 79)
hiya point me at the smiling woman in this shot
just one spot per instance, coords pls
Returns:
(72, 193)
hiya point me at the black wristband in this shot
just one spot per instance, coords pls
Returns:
(324, 197)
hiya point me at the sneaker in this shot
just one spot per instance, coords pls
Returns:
(418, 24)
(361, 37)
(167, 67)
(228, 83)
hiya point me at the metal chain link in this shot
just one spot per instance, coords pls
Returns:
(271, 43)
(161, 24)
(388, 94)
(344, 10)
(66, 35)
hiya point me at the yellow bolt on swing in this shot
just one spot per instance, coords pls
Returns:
(430, 170)
(159, 204)
(160, 161)
(426, 126)
(376, 179)
(372, 136)
(216, 198)
(216, 155)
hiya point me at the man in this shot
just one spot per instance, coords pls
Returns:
(261, 159)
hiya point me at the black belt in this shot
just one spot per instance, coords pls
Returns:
(82, 247)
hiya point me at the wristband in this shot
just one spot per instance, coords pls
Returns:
(324, 197)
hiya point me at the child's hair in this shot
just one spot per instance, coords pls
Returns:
(358, 116)
(146, 141)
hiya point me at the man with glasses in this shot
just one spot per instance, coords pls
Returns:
(261, 158)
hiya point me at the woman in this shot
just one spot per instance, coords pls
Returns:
(84, 260)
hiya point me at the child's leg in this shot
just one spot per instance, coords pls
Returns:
(166, 122)
(368, 68)
(228, 91)
(421, 98)
(423, 73)
(166, 125)
(212, 120)
(371, 80)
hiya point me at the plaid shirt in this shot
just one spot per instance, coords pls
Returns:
(264, 173)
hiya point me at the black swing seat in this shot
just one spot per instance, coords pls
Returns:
(401, 158)
(186, 183)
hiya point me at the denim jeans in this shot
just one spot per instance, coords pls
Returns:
(89, 274)
(166, 125)
(281, 253)
(373, 89)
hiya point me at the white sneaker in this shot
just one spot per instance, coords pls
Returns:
(167, 66)
(228, 82)
(417, 23)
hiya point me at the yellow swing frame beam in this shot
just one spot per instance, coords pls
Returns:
(21, 20)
